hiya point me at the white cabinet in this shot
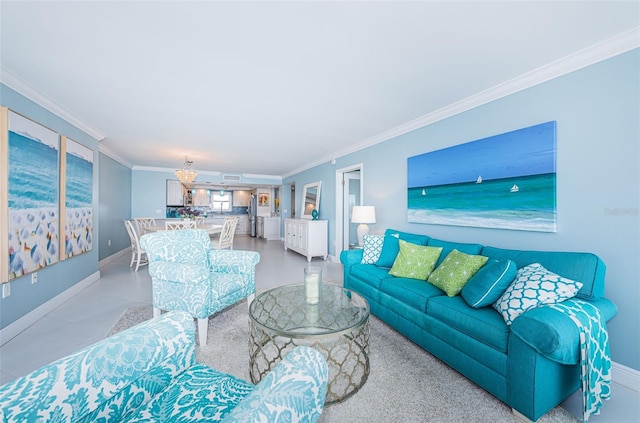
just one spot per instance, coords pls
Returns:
(201, 198)
(268, 228)
(175, 195)
(243, 225)
(241, 198)
(307, 237)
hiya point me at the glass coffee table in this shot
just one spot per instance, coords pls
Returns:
(338, 327)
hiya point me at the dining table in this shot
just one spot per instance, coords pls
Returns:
(211, 229)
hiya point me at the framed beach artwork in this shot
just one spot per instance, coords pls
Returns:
(77, 190)
(506, 181)
(30, 163)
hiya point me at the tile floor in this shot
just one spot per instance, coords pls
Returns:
(88, 316)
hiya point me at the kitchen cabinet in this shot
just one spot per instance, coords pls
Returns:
(307, 237)
(241, 198)
(201, 198)
(268, 228)
(175, 194)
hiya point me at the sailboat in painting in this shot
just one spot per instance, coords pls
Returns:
(424, 191)
(479, 180)
(514, 188)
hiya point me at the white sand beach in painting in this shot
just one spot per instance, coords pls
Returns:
(33, 239)
(78, 231)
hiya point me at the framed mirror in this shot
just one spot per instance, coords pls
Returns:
(311, 199)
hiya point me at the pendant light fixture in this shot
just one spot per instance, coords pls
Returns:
(186, 175)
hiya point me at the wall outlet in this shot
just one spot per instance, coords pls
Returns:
(34, 277)
(109, 243)
(6, 289)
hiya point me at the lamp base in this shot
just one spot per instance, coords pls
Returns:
(362, 230)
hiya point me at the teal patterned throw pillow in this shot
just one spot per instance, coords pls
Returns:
(372, 246)
(534, 286)
(455, 271)
(414, 261)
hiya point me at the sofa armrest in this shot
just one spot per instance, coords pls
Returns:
(552, 333)
(188, 274)
(108, 379)
(293, 391)
(233, 261)
(351, 257)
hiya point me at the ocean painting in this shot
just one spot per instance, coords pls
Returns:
(33, 179)
(506, 181)
(78, 233)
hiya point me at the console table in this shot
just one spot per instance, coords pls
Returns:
(307, 237)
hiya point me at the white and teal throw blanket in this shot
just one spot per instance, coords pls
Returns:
(595, 361)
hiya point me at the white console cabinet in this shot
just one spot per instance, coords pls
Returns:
(307, 237)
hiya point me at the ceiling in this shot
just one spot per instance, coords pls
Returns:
(271, 88)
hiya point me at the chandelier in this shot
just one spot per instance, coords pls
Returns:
(186, 175)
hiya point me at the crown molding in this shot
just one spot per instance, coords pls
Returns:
(614, 46)
(173, 169)
(9, 79)
(104, 150)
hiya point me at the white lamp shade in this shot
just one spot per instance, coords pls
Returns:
(363, 214)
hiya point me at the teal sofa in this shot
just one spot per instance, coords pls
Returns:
(148, 374)
(531, 365)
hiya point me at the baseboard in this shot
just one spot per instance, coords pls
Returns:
(625, 376)
(11, 331)
(114, 257)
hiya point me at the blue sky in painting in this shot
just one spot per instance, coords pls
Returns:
(528, 151)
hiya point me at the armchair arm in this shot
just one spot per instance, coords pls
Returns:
(106, 380)
(294, 391)
(233, 261)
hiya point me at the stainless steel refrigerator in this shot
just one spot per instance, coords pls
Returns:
(253, 211)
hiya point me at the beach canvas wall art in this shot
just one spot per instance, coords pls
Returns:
(78, 188)
(33, 196)
(506, 181)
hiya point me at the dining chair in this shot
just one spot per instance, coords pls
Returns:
(138, 254)
(199, 221)
(143, 223)
(225, 240)
(172, 225)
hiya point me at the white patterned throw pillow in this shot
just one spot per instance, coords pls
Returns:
(372, 246)
(533, 286)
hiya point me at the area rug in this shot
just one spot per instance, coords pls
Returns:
(406, 383)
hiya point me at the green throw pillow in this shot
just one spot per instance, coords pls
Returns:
(455, 271)
(414, 261)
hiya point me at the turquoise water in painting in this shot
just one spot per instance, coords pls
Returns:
(33, 175)
(490, 204)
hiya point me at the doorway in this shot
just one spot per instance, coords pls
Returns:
(349, 193)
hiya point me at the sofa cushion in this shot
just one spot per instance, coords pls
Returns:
(489, 283)
(412, 292)
(371, 249)
(414, 261)
(447, 247)
(369, 273)
(455, 271)
(584, 267)
(534, 286)
(391, 247)
(482, 324)
(199, 394)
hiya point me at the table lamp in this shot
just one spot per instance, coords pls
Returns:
(363, 215)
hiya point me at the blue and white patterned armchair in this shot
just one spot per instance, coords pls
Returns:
(189, 275)
(148, 374)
